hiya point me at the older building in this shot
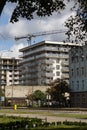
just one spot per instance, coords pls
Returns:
(44, 62)
(78, 76)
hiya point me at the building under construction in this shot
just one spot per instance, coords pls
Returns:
(9, 71)
(45, 61)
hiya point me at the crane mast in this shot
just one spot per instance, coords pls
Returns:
(38, 34)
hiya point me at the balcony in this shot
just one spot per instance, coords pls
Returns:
(65, 63)
(63, 76)
(57, 55)
(33, 58)
(49, 62)
(48, 75)
(65, 69)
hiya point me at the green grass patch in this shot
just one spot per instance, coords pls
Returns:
(45, 113)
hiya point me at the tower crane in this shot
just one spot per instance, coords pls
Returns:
(38, 34)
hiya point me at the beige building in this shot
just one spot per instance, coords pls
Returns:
(19, 94)
(78, 76)
(44, 62)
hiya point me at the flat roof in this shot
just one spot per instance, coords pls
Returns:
(48, 42)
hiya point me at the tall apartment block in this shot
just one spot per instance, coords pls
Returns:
(44, 61)
(9, 71)
(78, 76)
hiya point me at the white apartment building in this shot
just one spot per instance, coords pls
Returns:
(44, 61)
(78, 76)
(9, 71)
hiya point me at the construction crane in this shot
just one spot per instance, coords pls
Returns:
(38, 34)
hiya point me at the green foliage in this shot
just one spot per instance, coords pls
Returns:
(38, 95)
(28, 8)
(16, 123)
(77, 24)
(58, 89)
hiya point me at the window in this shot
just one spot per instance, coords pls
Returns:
(57, 67)
(82, 57)
(58, 73)
(82, 84)
(72, 84)
(77, 84)
(10, 80)
(82, 70)
(83, 99)
(10, 75)
(72, 59)
(72, 72)
(77, 71)
(57, 61)
(77, 58)
(66, 59)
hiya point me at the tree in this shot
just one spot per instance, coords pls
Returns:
(39, 96)
(57, 91)
(28, 8)
(77, 25)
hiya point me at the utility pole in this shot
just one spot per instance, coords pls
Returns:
(13, 64)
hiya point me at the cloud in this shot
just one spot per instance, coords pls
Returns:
(13, 52)
(24, 27)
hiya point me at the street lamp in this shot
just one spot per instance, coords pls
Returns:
(13, 59)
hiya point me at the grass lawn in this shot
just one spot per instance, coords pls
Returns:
(45, 113)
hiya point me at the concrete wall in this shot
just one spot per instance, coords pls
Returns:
(22, 91)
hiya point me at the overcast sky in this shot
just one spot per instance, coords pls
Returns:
(8, 30)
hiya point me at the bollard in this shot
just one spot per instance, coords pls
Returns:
(15, 107)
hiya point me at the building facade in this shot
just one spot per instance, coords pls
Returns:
(43, 62)
(20, 94)
(78, 76)
(9, 71)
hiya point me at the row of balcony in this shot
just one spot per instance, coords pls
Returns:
(8, 62)
(8, 68)
(47, 75)
(49, 55)
(10, 73)
(57, 49)
(10, 78)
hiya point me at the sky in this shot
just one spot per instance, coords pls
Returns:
(9, 31)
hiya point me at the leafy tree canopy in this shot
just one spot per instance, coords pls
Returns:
(38, 95)
(77, 25)
(28, 8)
(58, 89)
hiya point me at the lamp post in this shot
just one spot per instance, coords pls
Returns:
(13, 64)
